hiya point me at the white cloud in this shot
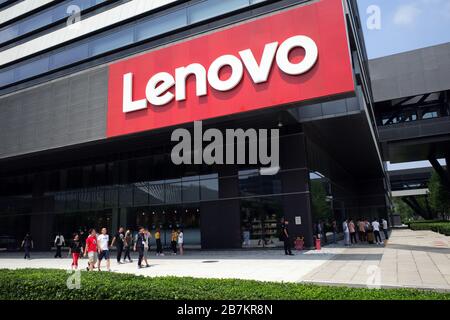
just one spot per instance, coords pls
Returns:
(406, 14)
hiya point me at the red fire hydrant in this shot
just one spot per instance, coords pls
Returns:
(299, 243)
(318, 243)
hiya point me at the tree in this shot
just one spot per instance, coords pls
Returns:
(401, 208)
(320, 206)
(439, 195)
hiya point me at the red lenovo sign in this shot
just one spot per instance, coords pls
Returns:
(294, 55)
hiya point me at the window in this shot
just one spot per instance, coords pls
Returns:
(6, 77)
(112, 41)
(430, 115)
(43, 18)
(209, 189)
(211, 8)
(191, 189)
(32, 69)
(160, 25)
(69, 55)
(173, 191)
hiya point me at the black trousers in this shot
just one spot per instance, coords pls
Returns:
(287, 246)
(27, 252)
(362, 236)
(377, 236)
(173, 244)
(386, 236)
(127, 253)
(58, 252)
(353, 237)
(141, 255)
(158, 246)
(119, 253)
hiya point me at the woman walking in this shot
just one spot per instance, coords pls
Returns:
(76, 249)
(127, 245)
(174, 240)
(181, 241)
(159, 250)
(27, 245)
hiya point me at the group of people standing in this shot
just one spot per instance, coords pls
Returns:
(367, 231)
(97, 246)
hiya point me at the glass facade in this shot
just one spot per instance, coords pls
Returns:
(43, 18)
(149, 191)
(132, 33)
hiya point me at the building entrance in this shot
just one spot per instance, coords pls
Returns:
(166, 219)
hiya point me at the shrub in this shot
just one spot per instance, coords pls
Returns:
(44, 284)
(436, 226)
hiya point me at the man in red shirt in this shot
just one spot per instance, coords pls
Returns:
(91, 249)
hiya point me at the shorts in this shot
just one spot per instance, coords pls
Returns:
(103, 254)
(92, 255)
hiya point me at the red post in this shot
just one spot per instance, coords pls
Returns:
(318, 244)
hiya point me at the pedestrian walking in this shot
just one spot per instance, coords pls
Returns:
(127, 246)
(91, 249)
(346, 233)
(27, 245)
(118, 240)
(75, 249)
(159, 250)
(103, 249)
(352, 230)
(59, 243)
(385, 229)
(139, 246)
(286, 239)
(147, 237)
(334, 227)
(362, 231)
(181, 241)
(376, 231)
(173, 241)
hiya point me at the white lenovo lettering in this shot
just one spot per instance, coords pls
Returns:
(157, 90)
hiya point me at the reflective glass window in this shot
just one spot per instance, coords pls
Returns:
(156, 192)
(173, 191)
(112, 41)
(209, 189)
(33, 68)
(69, 55)
(160, 25)
(211, 8)
(190, 189)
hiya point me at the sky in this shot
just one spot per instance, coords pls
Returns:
(412, 165)
(394, 26)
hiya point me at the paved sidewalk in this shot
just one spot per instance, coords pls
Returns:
(261, 265)
(419, 259)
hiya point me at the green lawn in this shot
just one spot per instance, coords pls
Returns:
(38, 284)
(437, 226)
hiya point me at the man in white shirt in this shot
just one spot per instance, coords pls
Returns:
(346, 233)
(376, 231)
(59, 243)
(385, 229)
(103, 249)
